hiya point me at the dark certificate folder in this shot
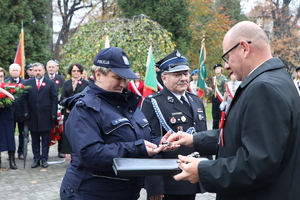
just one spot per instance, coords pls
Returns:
(145, 167)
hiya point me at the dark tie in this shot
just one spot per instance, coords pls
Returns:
(186, 104)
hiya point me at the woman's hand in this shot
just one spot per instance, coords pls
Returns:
(152, 149)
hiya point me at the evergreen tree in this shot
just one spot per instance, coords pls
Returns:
(231, 8)
(36, 18)
(170, 14)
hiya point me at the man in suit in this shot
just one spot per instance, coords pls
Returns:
(40, 107)
(180, 111)
(258, 147)
(59, 82)
(15, 71)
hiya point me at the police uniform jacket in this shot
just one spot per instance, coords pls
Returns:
(178, 118)
(104, 125)
(17, 107)
(260, 156)
(40, 104)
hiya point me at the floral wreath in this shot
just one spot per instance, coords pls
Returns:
(57, 131)
(9, 92)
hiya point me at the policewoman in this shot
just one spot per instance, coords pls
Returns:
(105, 124)
(176, 109)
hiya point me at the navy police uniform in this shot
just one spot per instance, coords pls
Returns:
(178, 118)
(104, 125)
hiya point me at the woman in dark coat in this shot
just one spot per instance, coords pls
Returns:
(7, 129)
(73, 86)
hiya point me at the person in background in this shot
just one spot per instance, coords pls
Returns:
(7, 133)
(29, 72)
(193, 83)
(40, 108)
(15, 72)
(136, 86)
(71, 87)
(105, 123)
(258, 147)
(297, 79)
(218, 84)
(180, 110)
(57, 69)
(84, 75)
(231, 87)
(57, 78)
(59, 81)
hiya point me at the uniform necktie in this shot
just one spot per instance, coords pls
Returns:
(39, 84)
(186, 104)
(16, 80)
(52, 77)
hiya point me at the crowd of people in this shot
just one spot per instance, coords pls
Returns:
(254, 138)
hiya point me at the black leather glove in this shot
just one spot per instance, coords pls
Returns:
(54, 119)
(25, 116)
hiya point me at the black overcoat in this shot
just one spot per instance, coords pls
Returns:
(260, 158)
(41, 105)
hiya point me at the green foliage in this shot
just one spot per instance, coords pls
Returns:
(232, 8)
(134, 36)
(173, 15)
(36, 18)
(206, 21)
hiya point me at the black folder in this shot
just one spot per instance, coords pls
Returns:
(145, 167)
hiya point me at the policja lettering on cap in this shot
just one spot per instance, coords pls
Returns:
(115, 59)
(174, 62)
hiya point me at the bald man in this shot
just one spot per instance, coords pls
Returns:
(258, 155)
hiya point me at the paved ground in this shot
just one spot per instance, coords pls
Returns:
(40, 183)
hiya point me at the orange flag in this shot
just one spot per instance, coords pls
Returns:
(20, 54)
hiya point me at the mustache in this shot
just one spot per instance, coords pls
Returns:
(182, 83)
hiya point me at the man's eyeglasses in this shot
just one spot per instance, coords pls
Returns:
(224, 56)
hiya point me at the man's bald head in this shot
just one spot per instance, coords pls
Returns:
(248, 31)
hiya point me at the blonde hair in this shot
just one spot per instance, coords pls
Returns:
(102, 70)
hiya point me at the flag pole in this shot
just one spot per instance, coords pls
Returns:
(22, 52)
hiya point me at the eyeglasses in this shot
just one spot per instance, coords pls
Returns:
(178, 74)
(225, 57)
(75, 70)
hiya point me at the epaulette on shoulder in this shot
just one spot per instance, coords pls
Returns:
(190, 93)
(155, 94)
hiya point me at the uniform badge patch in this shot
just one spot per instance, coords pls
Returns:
(173, 120)
(183, 118)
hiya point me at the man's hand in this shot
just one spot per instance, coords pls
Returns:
(189, 167)
(181, 138)
(168, 146)
(54, 119)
